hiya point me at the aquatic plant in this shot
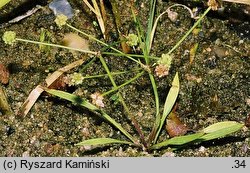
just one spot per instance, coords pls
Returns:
(145, 62)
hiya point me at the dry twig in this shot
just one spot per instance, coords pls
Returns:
(35, 93)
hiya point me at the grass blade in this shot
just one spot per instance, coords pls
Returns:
(157, 19)
(150, 25)
(189, 31)
(214, 131)
(179, 140)
(169, 103)
(3, 3)
(102, 141)
(99, 17)
(220, 129)
(85, 103)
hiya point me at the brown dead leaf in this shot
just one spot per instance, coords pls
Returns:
(35, 93)
(4, 74)
(174, 126)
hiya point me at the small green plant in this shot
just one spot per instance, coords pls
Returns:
(145, 62)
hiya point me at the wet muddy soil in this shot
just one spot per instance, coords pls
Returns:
(214, 83)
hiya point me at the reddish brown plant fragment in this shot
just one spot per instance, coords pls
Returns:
(247, 122)
(59, 84)
(4, 74)
(174, 126)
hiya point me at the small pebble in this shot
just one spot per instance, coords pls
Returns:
(220, 52)
(248, 101)
(26, 154)
(61, 7)
(168, 154)
(202, 149)
(172, 15)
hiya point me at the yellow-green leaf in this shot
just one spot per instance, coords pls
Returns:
(3, 2)
(220, 126)
(220, 129)
(102, 141)
(85, 103)
(169, 103)
(179, 140)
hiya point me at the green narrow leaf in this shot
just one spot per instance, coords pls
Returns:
(220, 129)
(83, 102)
(169, 103)
(102, 141)
(179, 140)
(214, 131)
(150, 25)
(72, 98)
(3, 2)
(220, 125)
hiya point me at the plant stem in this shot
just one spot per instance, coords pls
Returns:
(105, 44)
(113, 73)
(158, 117)
(157, 105)
(189, 31)
(134, 121)
(57, 45)
(150, 26)
(132, 55)
(124, 84)
(87, 65)
(146, 52)
(3, 2)
(118, 24)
